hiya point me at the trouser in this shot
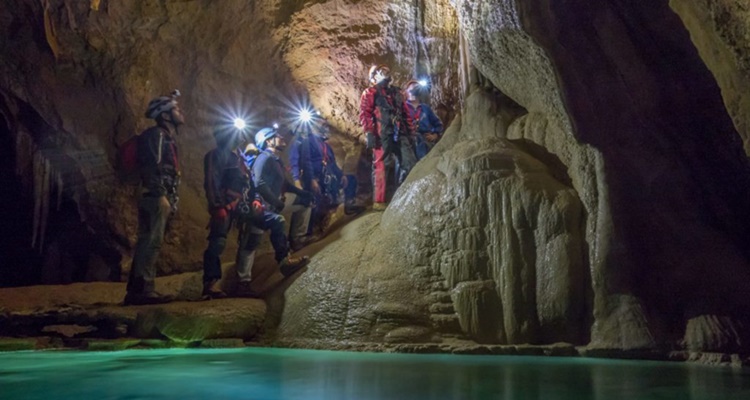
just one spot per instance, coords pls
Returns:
(249, 239)
(153, 214)
(422, 147)
(328, 201)
(251, 235)
(217, 241)
(405, 160)
(350, 190)
(297, 216)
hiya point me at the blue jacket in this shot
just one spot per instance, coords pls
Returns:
(301, 160)
(269, 178)
(427, 121)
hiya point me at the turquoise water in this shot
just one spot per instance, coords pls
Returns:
(254, 373)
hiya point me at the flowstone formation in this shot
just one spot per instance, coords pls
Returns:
(480, 239)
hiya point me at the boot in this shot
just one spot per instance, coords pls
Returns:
(379, 206)
(350, 208)
(142, 298)
(298, 243)
(212, 290)
(244, 290)
(290, 265)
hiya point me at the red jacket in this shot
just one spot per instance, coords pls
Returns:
(383, 110)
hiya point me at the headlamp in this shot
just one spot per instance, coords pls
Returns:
(305, 115)
(240, 124)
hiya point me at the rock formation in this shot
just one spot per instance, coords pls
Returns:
(592, 187)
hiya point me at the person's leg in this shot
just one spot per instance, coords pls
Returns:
(298, 217)
(350, 194)
(153, 213)
(249, 240)
(276, 224)
(287, 264)
(217, 241)
(421, 147)
(406, 159)
(379, 176)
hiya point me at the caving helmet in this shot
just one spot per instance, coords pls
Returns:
(263, 135)
(162, 104)
(379, 73)
(228, 136)
(412, 88)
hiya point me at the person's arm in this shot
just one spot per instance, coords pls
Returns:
(263, 162)
(367, 117)
(412, 124)
(367, 111)
(331, 162)
(212, 171)
(149, 160)
(294, 159)
(435, 122)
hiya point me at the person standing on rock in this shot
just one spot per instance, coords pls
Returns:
(429, 126)
(314, 168)
(159, 170)
(270, 179)
(231, 197)
(388, 130)
(302, 168)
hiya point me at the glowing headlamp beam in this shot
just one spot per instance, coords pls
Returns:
(240, 123)
(305, 115)
(423, 82)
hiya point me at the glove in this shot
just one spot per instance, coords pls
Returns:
(231, 206)
(372, 141)
(219, 215)
(257, 207)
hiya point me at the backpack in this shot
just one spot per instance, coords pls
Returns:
(126, 162)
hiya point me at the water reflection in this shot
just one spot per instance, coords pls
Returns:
(298, 374)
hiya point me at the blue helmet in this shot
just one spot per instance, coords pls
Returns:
(263, 135)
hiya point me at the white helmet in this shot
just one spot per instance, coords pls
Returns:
(379, 73)
(162, 104)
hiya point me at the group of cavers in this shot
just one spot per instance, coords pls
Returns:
(250, 187)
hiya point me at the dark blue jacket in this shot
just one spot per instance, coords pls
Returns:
(157, 161)
(426, 120)
(269, 178)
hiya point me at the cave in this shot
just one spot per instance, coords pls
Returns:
(587, 197)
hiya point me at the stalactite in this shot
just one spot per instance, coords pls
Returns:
(46, 179)
(422, 65)
(45, 203)
(37, 182)
(49, 31)
(464, 68)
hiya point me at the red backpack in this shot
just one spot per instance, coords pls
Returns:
(126, 164)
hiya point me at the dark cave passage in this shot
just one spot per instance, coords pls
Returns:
(19, 264)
